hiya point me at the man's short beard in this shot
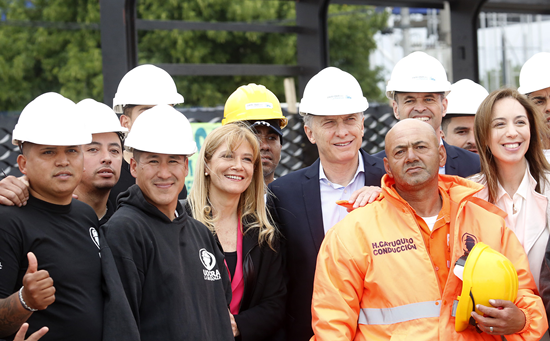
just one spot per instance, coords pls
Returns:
(103, 187)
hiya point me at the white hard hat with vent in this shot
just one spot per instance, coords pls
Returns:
(164, 130)
(535, 73)
(465, 98)
(146, 85)
(333, 92)
(418, 72)
(52, 120)
(99, 117)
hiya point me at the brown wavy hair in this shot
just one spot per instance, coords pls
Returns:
(538, 164)
(251, 203)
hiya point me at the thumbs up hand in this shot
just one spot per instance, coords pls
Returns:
(38, 290)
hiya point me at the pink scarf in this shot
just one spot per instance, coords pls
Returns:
(237, 283)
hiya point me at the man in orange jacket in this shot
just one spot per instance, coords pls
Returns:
(385, 270)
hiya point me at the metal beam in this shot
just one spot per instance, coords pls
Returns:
(312, 43)
(118, 43)
(464, 14)
(148, 25)
(230, 69)
(393, 3)
(516, 6)
(509, 6)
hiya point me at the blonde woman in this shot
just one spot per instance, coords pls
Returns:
(228, 197)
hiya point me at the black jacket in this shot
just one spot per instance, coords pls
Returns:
(544, 281)
(296, 209)
(172, 272)
(262, 308)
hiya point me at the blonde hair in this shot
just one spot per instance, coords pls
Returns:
(538, 164)
(251, 203)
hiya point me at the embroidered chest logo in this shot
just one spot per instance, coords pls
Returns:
(95, 236)
(395, 246)
(209, 261)
(468, 242)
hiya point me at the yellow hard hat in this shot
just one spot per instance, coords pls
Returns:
(487, 275)
(253, 102)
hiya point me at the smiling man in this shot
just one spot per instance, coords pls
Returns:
(50, 269)
(417, 89)
(304, 202)
(140, 89)
(171, 268)
(260, 109)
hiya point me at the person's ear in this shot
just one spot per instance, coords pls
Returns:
(22, 162)
(387, 167)
(442, 155)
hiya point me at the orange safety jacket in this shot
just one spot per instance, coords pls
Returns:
(375, 279)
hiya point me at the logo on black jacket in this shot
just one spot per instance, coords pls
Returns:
(95, 237)
(209, 261)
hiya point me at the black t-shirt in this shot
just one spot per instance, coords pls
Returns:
(125, 181)
(63, 238)
(172, 272)
(108, 214)
(231, 261)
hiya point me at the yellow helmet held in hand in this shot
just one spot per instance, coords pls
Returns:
(253, 102)
(487, 275)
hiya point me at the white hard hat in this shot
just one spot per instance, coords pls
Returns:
(51, 119)
(164, 130)
(99, 117)
(146, 85)
(535, 73)
(418, 72)
(465, 98)
(333, 92)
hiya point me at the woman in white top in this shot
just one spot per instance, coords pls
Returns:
(514, 170)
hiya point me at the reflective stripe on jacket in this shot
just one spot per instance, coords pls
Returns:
(375, 279)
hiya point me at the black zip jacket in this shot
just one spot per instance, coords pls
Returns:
(172, 272)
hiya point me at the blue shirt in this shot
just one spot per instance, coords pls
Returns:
(331, 192)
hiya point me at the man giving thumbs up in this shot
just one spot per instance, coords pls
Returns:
(37, 293)
(53, 228)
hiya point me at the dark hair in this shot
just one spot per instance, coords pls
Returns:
(445, 123)
(534, 155)
(127, 109)
(136, 154)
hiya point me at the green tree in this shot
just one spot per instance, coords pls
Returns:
(54, 45)
(351, 32)
(49, 45)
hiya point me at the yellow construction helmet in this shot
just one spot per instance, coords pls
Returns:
(253, 102)
(487, 275)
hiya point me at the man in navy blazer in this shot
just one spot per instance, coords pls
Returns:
(418, 88)
(303, 204)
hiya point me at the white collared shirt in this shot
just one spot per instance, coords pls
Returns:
(516, 219)
(529, 222)
(331, 192)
